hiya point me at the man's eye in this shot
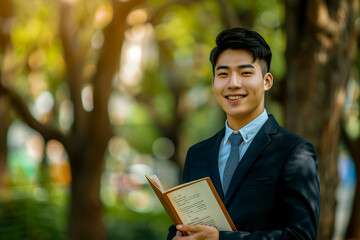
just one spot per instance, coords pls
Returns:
(222, 74)
(246, 73)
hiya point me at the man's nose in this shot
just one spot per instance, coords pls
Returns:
(234, 81)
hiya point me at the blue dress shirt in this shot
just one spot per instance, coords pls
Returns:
(248, 133)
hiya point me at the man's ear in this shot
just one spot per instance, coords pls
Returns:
(212, 82)
(268, 81)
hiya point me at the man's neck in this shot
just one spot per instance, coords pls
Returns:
(236, 123)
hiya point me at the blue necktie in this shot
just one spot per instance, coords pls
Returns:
(233, 160)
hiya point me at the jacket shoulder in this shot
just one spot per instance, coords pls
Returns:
(288, 135)
(284, 138)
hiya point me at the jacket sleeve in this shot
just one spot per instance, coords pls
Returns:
(299, 199)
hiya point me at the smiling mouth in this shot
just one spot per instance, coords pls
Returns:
(235, 97)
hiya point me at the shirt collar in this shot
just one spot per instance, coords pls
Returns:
(249, 131)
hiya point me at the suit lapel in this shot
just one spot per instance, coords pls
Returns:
(261, 140)
(213, 161)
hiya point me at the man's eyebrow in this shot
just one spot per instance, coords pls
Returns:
(246, 66)
(239, 67)
(222, 67)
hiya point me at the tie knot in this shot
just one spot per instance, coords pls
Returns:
(235, 139)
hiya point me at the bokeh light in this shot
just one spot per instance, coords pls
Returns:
(139, 201)
(87, 97)
(163, 148)
(66, 116)
(35, 148)
(59, 165)
(43, 104)
(138, 16)
(103, 15)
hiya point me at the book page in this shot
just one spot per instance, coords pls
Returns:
(155, 180)
(196, 204)
(157, 187)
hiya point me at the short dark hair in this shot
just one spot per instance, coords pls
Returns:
(241, 38)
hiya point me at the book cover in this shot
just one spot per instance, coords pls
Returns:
(193, 203)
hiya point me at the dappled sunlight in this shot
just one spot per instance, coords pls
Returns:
(37, 59)
(27, 155)
(58, 162)
(37, 82)
(124, 178)
(120, 107)
(44, 103)
(270, 19)
(66, 116)
(97, 40)
(26, 150)
(351, 107)
(55, 152)
(135, 55)
(139, 200)
(160, 104)
(60, 172)
(163, 148)
(35, 148)
(87, 97)
(198, 96)
(103, 15)
(116, 146)
(138, 16)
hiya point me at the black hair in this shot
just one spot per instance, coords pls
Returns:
(241, 38)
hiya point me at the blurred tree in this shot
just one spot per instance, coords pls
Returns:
(320, 53)
(174, 94)
(4, 123)
(179, 48)
(6, 15)
(90, 131)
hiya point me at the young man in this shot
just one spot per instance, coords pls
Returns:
(268, 180)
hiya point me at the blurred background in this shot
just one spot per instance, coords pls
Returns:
(94, 94)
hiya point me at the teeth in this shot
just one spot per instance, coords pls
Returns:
(234, 97)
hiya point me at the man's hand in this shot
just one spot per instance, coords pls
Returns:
(197, 232)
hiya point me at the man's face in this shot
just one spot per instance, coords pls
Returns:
(239, 86)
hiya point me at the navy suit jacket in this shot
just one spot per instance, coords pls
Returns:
(274, 192)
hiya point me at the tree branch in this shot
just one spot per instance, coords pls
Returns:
(46, 131)
(15, 99)
(74, 59)
(107, 66)
(329, 20)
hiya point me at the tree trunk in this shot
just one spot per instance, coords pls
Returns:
(85, 220)
(4, 123)
(320, 51)
(6, 14)
(92, 131)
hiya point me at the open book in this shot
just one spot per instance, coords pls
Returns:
(193, 203)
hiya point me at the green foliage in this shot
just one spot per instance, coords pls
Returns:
(140, 136)
(121, 223)
(177, 86)
(28, 219)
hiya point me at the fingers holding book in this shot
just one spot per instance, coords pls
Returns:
(196, 232)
